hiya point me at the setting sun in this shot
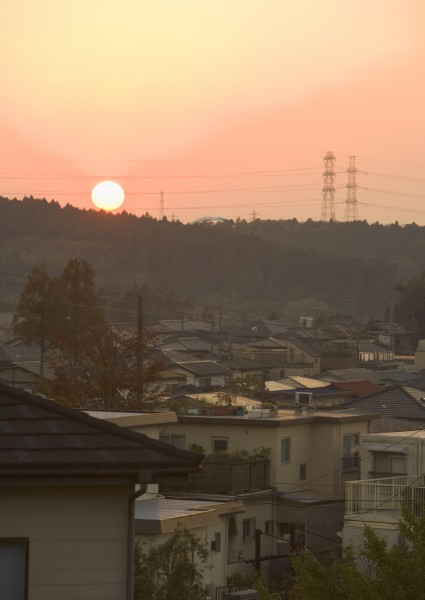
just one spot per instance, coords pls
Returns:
(107, 195)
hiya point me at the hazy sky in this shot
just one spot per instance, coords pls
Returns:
(227, 107)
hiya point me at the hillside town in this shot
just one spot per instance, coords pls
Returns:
(265, 438)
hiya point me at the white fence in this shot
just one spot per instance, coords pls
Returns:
(385, 496)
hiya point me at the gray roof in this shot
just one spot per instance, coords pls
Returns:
(385, 424)
(203, 368)
(40, 436)
(350, 375)
(192, 344)
(400, 401)
(242, 363)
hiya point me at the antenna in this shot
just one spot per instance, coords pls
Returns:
(328, 191)
(351, 200)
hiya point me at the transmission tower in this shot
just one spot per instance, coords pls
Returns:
(351, 200)
(328, 191)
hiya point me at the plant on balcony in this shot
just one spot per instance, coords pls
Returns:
(196, 448)
(237, 456)
(228, 456)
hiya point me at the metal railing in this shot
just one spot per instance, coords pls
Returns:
(385, 496)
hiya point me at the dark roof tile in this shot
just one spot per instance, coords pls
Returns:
(37, 433)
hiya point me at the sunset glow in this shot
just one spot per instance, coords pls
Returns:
(220, 108)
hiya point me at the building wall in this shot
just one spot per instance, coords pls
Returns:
(318, 446)
(352, 534)
(413, 447)
(77, 539)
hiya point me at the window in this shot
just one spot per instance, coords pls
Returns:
(285, 450)
(350, 451)
(269, 527)
(205, 382)
(303, 471)
(248, 530)
(388, 465)
(175, 440)
(216, 543)
(13, 568)
(219, 444)
(292, 532)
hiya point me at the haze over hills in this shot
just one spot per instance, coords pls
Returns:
(353, 267)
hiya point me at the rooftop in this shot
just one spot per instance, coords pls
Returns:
(42, 438)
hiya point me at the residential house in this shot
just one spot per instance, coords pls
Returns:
(299, 497)
(393, 336)
(371, 353)
(280, 357)
(157, 518)
(68, 485)
(20, 365)
(392, 467)
(402, 406)
(203, 374)
(355, 374)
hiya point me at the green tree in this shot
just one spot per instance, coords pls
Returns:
(172, 570)
(377, 572)
(31, 320)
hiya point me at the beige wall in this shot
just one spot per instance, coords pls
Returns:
(316, 444)
(77, 539)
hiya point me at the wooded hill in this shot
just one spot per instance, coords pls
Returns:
(352, 267)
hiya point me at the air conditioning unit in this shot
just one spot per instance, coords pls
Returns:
(304, 398)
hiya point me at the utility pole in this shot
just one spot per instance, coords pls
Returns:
(391, 329)
(257, 563)
(139, 351)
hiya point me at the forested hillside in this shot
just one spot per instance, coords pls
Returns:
(349, 266)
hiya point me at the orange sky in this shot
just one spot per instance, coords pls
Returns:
(227, 107)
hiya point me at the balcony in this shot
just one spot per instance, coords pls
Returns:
(237, 477)
(230, 477)
(383, 499)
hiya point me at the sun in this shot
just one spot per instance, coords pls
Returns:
(107, 195)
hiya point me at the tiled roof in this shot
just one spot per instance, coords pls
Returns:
(40, 435)
(359, 388)
(350, 375)
(395, 401)
(242, 363)
(203, 368)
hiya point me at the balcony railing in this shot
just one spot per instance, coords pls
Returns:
(385, 497)
(230, 477)
(386, 475)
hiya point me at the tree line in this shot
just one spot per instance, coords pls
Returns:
(352, 267)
